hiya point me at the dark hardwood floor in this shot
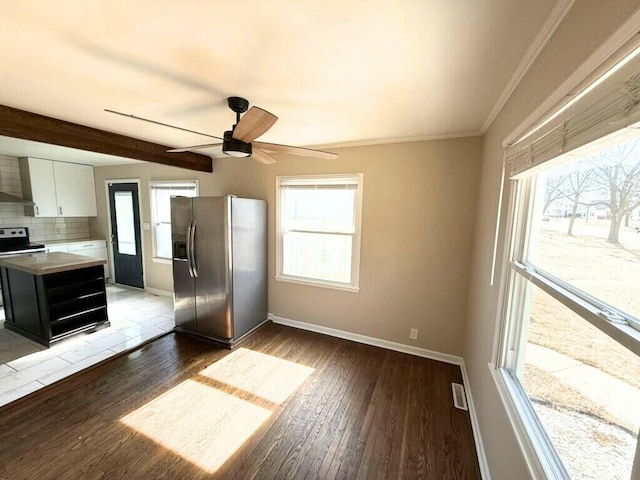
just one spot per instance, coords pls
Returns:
(284, 404)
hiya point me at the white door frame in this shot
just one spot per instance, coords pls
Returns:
(112, 269)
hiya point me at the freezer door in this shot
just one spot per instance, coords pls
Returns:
(184, 304)
(249, 263)
(211, 266)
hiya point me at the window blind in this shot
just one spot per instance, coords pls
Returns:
(173, 186)
(347, 182)
(608, 105)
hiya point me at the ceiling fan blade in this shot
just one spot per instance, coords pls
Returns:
(304, 152)
(262, 156)
(253, 124)
(160, 123)
(194, 147)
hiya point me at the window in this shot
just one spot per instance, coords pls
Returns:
(160, 199)
(569, 353)
(318, 230)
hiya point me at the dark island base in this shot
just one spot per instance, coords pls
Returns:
(49, 308)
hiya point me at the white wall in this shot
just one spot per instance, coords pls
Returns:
(588, 24)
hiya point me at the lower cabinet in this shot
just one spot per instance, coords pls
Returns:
(47, 308)
(88, 248)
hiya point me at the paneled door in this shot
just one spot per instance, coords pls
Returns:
(125, 234)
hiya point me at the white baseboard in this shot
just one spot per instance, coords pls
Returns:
(156, 291)
(411, 350)
(376, 342)
(475, 426)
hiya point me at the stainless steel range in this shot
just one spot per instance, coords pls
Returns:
(15, 241)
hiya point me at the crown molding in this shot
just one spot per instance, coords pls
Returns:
(549, 27)
(387, 141)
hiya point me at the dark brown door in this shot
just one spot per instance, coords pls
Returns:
(125, 234)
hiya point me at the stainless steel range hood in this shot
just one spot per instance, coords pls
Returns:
(6, 198)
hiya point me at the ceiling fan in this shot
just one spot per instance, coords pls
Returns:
(239, 141)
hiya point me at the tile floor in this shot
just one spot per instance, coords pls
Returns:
(136, 317)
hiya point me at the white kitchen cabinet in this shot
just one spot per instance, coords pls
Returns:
(57, 248)
(92, 248)
(38, 185)
(75, 189)
(88, 248)
(58, 189)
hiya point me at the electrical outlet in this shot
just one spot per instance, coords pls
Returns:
(413, 333)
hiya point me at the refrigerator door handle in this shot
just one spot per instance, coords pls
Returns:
(189, 253)
(194, 260)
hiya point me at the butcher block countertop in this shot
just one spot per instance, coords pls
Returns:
(45, 263)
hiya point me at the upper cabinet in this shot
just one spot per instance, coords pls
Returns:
(38, 186)
(58, 189)
(75, 190)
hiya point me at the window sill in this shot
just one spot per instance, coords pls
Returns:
(540, 458)
(165, 261)
(316, 283)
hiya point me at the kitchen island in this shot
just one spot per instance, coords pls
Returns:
(50, 296)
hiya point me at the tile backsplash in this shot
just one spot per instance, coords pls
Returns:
(40, 229)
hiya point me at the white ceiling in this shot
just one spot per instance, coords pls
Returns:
(335, 72)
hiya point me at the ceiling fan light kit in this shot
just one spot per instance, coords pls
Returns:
(237, 142)
(235, 148)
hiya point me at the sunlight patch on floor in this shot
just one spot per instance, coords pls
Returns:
(265, 376)
(206, 425)
(198, 422)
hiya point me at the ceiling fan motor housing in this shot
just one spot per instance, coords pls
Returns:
(238, 104)
(234, 147)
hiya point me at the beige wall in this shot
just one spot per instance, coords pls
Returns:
(417, 227)
(417, 223)
(241, 178)
(588, 24)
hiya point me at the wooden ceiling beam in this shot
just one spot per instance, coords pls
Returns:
(39, 128)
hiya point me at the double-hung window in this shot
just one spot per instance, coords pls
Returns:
(318, 230)
(568, 356)
(160, 193)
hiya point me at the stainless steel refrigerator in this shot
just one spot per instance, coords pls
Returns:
(219, 266)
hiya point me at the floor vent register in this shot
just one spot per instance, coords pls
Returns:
(459, 397)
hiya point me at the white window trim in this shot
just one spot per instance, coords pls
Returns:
(161, 260)
(538, 452)
(542, 460)
(152, 183)
(354, 286)
(536, 446)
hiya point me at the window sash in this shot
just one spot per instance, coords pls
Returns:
(336, 182)
(290, 224)
(155, 189)
(607, 318)
(522, 274)
(621, 326)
